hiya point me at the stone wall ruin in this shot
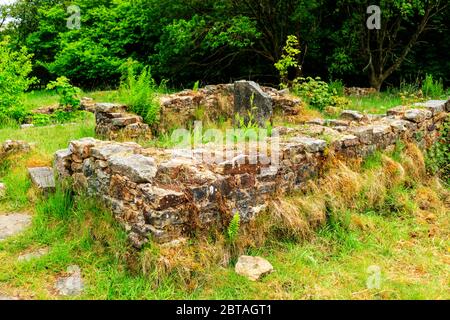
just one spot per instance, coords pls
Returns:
(162, 194)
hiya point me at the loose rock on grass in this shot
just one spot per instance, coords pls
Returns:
(254, 268)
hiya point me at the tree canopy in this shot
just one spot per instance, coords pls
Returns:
(211, 41)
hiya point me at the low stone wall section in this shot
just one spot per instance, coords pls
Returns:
(166, 194)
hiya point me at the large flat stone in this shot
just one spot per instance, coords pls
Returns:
(137, 167)
(352, 115)
(310, 144)
(109, 107)
(435, 106)
(104, 152)
(43, 178)
(417, 115)
(249, 98)
(13, 224)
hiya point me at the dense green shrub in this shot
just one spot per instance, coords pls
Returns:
(139, 92)
(315, 91)
(15, 66)
(69, 96)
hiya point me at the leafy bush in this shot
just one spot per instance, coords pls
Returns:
(69, 96)
(139, 93)
(289, 59)
(438, 157)
(320, 94)
(315, 91)
(15, 66)
(432, 88)
(41, 119)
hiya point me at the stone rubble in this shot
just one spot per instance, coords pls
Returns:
(71, 285)
(218, 102)
(11, 147)
(43, 178)
(33, 255)
(113, 122)
(12, 224)
(254, 268)
(359, 92)
(169, 194)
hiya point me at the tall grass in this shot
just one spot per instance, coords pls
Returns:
(139, 92)
(432, 88)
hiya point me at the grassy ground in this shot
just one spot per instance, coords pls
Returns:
(384, 213)
(405, 234)
(376, 103)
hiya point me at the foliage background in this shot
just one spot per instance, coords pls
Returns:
(221, 40)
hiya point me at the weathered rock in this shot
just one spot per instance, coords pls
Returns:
(109, 107)
(349, 140)
(399, 125)
(250, 99)
(161, 199)
(62, 163)
(311, 144)
(435, 106)
(13, 224)
(114, 122)
(317, 121)
(106, 151)
(352, 115)
(417, 115)
(71, 285)
(33, 255)
(125, 121)
(397, 111)
(365, 134)
(83, 146)
(137, 167)
(254, 268)
(43, 178)
(10, 147)
(356, 91)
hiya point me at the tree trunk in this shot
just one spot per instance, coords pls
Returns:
(376, 82)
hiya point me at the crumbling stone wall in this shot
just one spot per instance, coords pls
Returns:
(359, 92)
(113, 122)
(212, 103)
(218, 101)
(166, 194)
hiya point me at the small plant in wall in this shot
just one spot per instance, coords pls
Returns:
(233, 228)
(69, 95)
